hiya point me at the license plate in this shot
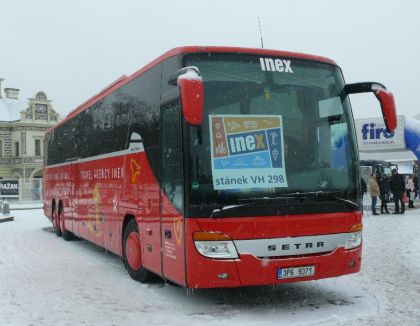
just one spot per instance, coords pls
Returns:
(292, 272)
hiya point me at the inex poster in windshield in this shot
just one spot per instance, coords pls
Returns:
(247, 151)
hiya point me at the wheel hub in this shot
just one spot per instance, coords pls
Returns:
(133, 250)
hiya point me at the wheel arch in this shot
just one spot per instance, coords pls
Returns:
(127, 218)
(60, 206)
(52, 208)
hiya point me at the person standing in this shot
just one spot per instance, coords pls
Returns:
(397, 186)
(374, 192)
(363, 192)
(410, 191)
(384, 190)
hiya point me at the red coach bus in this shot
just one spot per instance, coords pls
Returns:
(216, 167)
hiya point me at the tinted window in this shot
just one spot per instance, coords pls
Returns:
(172, 170)
(106, 126)
(84, 134)
(234, 156)
(143, 94)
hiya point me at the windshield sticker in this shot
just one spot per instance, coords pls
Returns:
(280, 65)
(247, 151)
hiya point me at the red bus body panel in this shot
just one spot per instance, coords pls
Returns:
(96, 195)
(249, 270)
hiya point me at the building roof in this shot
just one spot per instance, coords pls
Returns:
(10, 109)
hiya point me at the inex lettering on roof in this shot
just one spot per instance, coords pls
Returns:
(280, 65)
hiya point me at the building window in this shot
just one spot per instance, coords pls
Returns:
(23, 142)
(17, 152)
(37, 147)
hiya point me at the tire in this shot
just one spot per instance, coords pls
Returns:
(132, 254)
(56, 223)
(67, 235)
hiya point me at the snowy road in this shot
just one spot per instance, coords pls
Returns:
(47, 281)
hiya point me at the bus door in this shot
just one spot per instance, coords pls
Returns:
(84, 180)
(172, 223)
(117, 196)
(141, 197)
(83, 200)
(73, 204)
(67, 195)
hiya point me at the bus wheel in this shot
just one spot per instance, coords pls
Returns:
(67, 235)
(56, 223)
(132, 254)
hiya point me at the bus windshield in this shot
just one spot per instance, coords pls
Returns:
(277, 138)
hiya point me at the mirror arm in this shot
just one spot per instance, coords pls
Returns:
(385, 97)
(362, 88)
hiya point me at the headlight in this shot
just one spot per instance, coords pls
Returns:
(354, 240)
(214, 245)
(216, 249)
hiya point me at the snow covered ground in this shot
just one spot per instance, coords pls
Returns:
(47, 281)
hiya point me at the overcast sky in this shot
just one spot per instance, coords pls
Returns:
(71, 49)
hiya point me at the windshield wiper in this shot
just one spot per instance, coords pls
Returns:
(257, 201)
(332, 195)
(248, 202)
(314, 195)
(226, 208)
(286, 198)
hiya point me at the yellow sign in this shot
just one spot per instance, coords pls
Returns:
(178, 230)
(96, 217)
(250, 123)
(135, 170)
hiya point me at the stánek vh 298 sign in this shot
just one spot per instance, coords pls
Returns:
(9, 189)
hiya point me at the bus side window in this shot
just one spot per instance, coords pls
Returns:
(171, 154)
(84, 134)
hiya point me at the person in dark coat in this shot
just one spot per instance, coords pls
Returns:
(397, 185)
(384, 191)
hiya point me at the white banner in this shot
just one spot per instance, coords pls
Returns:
(373, 137)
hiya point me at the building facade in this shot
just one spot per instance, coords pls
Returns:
(23, 124)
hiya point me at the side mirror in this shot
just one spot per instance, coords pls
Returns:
(136, 142)
(191, 88)
(385, 97)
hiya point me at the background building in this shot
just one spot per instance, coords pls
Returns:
(23, 124)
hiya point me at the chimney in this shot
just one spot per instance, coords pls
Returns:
(1, 80)
(12, 93)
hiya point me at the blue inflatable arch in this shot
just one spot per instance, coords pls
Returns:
(412, 137)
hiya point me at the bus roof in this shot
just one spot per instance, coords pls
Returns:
(187, 49)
